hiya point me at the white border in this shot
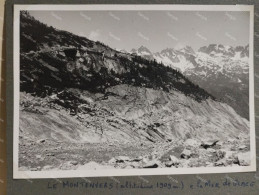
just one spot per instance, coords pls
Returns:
(126, 172)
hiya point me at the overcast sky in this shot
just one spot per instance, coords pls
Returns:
(156, 30)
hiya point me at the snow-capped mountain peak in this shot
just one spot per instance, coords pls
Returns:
(123, 51)
(142, 51)
(219, 50)
(217, 57)
(188, 50)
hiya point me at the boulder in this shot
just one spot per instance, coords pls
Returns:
(229, 154)
(217, 155)
(135, 164)
(244, 159)
(121, 159)
(174, 159)
(151, 164)
(221, 162)
(41, 141)
(137, 159)
(242, 147)
(193, 163)
(47, 167)
(209, 144)
(220, 154)
(146, 159)
(73, 163)
(172, 162)
(67, 166)
(191, 143)
(186, 154)
(169, 164)
(112, 161)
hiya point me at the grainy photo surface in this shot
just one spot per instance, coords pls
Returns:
(134, 89)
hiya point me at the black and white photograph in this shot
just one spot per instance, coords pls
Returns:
(112, 90)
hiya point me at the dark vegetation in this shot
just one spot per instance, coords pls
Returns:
(43, 73)
(34, 34)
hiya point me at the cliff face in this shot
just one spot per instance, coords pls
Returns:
(75, 91)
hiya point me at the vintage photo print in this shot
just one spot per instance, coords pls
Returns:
(114, 90)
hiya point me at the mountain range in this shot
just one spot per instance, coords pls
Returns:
(221, 70)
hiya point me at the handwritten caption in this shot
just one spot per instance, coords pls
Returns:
(143, 185)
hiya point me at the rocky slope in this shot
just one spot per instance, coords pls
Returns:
(129, 127)
(221, 70)
(82, 101)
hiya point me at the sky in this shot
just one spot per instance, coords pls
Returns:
(157, 30)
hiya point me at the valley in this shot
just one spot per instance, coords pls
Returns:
(84, 105)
